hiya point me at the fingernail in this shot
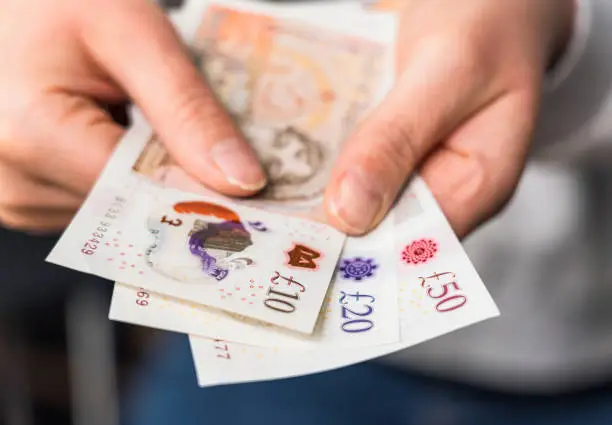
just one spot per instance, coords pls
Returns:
(240, 166)
(358, 201)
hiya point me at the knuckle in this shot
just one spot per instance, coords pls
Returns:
(196, 111)
(10, 146)
(452, 54)
(13, 193)
(18, 141)
(38, 225)
(193, 105)
(399, 145)
(74, 109)
(388, 147)
(11, 220)
(11, 198)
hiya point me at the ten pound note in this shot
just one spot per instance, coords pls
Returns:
(296, 93)
(193, 245)
(196, 247)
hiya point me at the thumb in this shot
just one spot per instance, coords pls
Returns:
(138, 46)
(435, 93)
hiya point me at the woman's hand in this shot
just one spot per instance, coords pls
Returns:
(462, 110)
(62, 61)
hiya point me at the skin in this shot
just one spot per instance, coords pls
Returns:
(461, 113)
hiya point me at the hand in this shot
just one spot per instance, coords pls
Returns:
(462, 110)
(62, 60)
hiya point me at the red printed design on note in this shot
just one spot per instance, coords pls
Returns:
(420, 251)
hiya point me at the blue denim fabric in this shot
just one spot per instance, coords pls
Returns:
(166, 393)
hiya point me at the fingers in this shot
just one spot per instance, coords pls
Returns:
(35, 221)
(19, 191)
(143, 52)
(439, 89)
(28, 204)
(475, 171)
(64, 139)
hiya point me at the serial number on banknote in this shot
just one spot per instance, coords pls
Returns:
(98, 235)
(143, 298)
(222, 349)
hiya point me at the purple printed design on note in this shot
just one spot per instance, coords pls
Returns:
(198, 241)
(213, 242)
(358, 268)
(258, 225)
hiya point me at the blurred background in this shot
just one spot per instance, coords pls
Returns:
(61, 360)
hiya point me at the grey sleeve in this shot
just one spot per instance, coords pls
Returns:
(576, 114)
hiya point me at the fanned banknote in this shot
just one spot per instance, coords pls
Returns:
(286, 84)
(197, 248)
(295, 90)
(297, 81)
(439, 292)
(364, 271)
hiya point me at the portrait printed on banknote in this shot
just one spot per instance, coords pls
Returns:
(294, 91)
